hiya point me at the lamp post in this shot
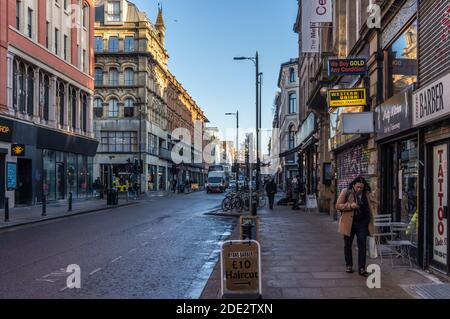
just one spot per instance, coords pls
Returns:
(236, 160)
(255, 60)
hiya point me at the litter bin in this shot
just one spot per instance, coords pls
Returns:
(112, 198)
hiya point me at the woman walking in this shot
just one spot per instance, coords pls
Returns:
(356, 220)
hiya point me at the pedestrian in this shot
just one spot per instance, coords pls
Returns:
(295, 192)
(356, 220)
(271, 190)
(98, 187)
(174, 185)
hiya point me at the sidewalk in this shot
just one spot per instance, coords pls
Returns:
(32, 214)
(302, 257)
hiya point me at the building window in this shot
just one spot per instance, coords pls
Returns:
(56, 41)
(98, 108)
(292, 75)
(22, 93)
(65, 47)
(113, 77)
(128, 110)
(74, 109)
(18, 4)
(30, 23)
(129, 77)
(84, 61)
(98, 77)
(152, 144)
(113, 110)
(47, 43)
(46, 98)
(113, 44)
(120, 142)
(65, 4)
(292, 103)
(85, 16)
(98, 44)
(15, 78)
(61, 103)
(291, 141)
(30, 91)
(129, 44)
(114, 11)
(403, 60)
(84, 114)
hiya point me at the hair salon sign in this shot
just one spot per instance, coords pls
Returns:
(432, 102)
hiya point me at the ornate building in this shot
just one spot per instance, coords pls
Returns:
(138, 102)
(46, 88)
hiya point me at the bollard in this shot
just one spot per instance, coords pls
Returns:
(70, 201)
(44, 206)
(6, 209)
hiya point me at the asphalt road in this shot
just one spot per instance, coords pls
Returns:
(162, 248)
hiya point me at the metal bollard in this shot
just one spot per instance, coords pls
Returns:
(44, 206)
(6, 209)
(70, 201)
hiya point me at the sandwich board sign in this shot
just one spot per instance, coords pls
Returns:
(311, 202)
(240, 262)
(249, 228)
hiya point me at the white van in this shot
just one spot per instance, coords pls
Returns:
(216, 182)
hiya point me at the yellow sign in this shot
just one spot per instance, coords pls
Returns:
(4, 129)
(17, 150)
(344, 98)
(241, 266)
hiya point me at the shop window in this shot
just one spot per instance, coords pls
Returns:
(402, 59)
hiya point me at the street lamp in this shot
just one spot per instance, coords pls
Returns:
(255, 60)
(236, 160)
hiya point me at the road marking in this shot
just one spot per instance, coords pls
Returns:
(46, 280)
(117, 259)
(96, 270)
(132, 250)
(66, 287)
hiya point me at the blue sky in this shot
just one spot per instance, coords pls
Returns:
(202, 38)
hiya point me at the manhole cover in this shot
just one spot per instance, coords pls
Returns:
(433, 291)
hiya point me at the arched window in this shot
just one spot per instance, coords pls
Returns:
(15, 79)
(113, 110)
(22, 75)
(113, 77)
(84, 110)
(98, 108)
(98, 77)
(291, 141)
(61, 103)
(30, 91)
(46, 98)
(129, 108)
(129, 77)
(74, 109)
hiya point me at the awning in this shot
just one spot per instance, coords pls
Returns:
(291, 151)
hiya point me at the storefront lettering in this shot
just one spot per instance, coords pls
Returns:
(432, 101)
(440, 194)
(321, 9)
(389, 113)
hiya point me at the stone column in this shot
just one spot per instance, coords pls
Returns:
(78, 111)
(52, 97)
(36, 98)
(9, 82)
(90, 116)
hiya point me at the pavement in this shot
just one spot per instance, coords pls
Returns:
(302, 257)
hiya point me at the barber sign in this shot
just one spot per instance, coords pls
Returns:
(432, 102)
(322, 11)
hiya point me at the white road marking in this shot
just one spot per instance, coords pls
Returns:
(66, 287)
(46, 280)
(117, 259)
(132, 250)
(96, 270)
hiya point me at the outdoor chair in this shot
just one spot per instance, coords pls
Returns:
(401, 244)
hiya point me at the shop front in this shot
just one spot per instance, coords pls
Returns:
(399, 165)
(431, 114)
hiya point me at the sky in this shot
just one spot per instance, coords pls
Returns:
(202, 38)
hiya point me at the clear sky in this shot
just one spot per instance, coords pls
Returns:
(202, 38)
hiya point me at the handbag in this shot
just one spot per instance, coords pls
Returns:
(371, 247)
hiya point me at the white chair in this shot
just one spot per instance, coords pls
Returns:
(400, 244)
(383, 233)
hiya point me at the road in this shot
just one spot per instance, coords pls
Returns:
(161, 248)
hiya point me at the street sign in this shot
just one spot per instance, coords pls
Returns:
(346, 98)
(249, 227)
(241, 268)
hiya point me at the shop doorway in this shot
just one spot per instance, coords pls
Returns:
(24, 191)
(2, 181)
(438, 222)
(60, 181)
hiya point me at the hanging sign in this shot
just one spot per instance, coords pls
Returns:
(18, 150)
(348, 97)
(357, 66)
(310, 30)
(322, 11)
